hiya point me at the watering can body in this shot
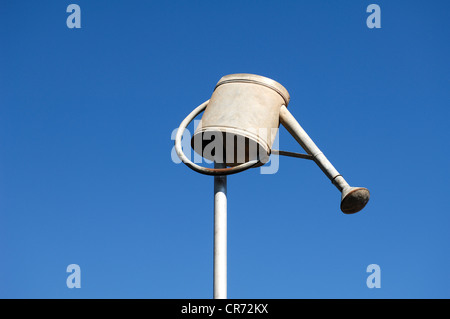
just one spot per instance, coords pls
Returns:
(243, 113)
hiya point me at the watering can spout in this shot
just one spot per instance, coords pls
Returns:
(353, 199)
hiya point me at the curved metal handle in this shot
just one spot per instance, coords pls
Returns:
(198, 168)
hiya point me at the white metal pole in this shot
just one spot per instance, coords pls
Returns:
(220, 235)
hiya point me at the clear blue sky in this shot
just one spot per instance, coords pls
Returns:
(86, 176)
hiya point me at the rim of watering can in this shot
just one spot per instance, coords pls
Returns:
(234, 131)
(257, 79)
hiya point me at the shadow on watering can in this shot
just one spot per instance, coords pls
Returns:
(239, 126)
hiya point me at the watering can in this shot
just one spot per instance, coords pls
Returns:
(239, 126)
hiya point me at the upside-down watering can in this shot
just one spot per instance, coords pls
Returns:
(239, 126)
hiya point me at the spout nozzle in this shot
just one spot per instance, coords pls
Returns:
(354, 199)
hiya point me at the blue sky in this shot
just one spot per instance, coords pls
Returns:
(86, 175)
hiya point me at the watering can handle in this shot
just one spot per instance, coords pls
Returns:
(198, 168)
